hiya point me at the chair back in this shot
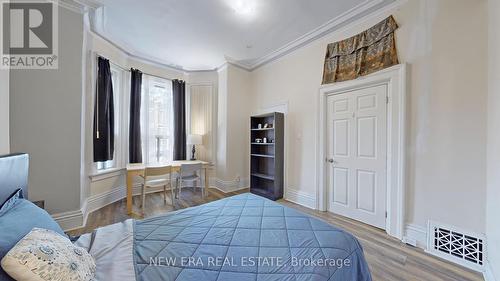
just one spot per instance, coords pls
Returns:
(157, 171)
(190, 169)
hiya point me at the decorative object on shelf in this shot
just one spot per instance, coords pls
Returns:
(267, 155)
(369, 51)
(194, 140)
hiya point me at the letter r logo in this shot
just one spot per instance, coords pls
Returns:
(27, 28)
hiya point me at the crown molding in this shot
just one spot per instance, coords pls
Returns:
(369, 11)
(330, 26)
(79, 6)
(232, 63)
(139, 58)
(369, 8)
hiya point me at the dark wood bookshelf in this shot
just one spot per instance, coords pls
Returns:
(266, 167)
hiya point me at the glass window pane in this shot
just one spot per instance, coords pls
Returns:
(158, 118)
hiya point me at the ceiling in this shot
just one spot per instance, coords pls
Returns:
(204, 34)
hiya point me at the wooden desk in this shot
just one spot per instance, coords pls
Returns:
(134, 170)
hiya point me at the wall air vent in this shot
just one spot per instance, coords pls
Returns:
(456, 245)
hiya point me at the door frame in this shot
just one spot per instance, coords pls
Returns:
(395, 78)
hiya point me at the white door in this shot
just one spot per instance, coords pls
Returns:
(357, 153)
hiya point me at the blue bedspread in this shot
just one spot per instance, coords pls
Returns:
(245, 237)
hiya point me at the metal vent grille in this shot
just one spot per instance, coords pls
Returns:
(462, 247)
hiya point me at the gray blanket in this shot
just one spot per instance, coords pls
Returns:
(245, 237)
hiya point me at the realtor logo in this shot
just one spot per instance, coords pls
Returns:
(29, 34)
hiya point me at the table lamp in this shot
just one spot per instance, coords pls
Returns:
(194, 140)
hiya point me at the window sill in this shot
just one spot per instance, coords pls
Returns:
(105, 174)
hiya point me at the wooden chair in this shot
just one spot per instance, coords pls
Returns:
(157, 176)
(190, 173)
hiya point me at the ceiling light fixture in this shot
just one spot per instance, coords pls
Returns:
(243, 7)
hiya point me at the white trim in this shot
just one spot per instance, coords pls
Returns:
(78, 6)
(71, 5)
(229, 185)
(136, 58)
(104, 174)
(395, 79)
(488, 272)
(223, 66)
(332, 25)
(96, 202)
(215, 187)
(416, 236)
(70, 220)
(365, 10)
(77, 219)
(301, 198)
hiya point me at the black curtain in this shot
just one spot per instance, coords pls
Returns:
(135, 148)
(179, 102)
(104, 115)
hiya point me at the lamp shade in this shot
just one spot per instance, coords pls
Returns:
(195, 139)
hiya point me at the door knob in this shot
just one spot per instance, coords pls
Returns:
(331, 160)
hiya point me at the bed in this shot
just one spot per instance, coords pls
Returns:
(243, 237)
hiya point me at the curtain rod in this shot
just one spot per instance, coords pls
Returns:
(128, 70)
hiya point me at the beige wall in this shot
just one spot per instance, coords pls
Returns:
(4, 112)
(221, 150)
(233, 128)
(45, 120)
(238, 122)
(493, 178)
(447, 105)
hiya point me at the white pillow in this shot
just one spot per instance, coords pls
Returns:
(44, 255)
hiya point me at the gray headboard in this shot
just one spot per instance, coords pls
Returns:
(13, 175)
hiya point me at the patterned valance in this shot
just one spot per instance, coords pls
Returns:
(372, 50)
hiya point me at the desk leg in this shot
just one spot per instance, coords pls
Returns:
(172, 188)
(206, 182)
(130, 178)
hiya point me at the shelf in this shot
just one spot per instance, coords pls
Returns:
(262, 192)
(263, 129)
(266, 159)
(262, 176)
(263, 155)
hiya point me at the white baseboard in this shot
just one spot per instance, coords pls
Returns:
(488, 272)
(77, 219)
(95, 202)
(416, 236)
(301, 198)
(223, 191)
(229, 186)
(70, 220)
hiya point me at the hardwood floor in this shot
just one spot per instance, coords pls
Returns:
(388, 258)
